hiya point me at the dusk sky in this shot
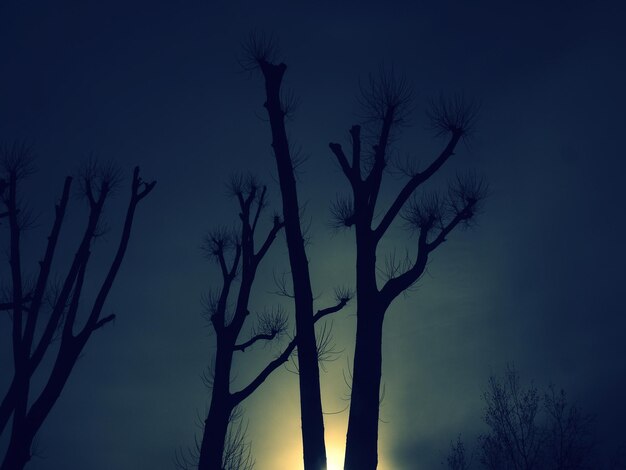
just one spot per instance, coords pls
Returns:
(538, 282)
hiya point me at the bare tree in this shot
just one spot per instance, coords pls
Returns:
(238, 258)
(569, 441)
(432, 217)
(34, 328)
(528, 430)
(260, 54)
(515, 439)
(457, 457)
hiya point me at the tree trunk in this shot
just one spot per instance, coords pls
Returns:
(26, 426)
(215, 431)
(6, 408)
(310, 395)
(18, 452)
(216, 423)
(362, 437)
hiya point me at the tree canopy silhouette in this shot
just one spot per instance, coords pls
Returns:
(238, 258)
(260, 54)
(42, 313)
(432, 216)
(529, 429)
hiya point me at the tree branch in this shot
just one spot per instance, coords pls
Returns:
(216, 243)
(343, 161)
(259, 208)
(68, 326)
(393, 287)
(136, 196)
(20, 353)
(218, 314)
(241, 395)
(327, 311)
(89, 192)
(61, 302)
(271, 236)
(374, 179)
(247, 203)
(244, 393)
(235, 266)
(355, 133)
(353, 173)
(222, 262)
(140, 188)
(464, 214)
(396, 285)
(46, 264)
(103, 321)
(270, 325)
(410, 187)
(8, 404)
(261, 336)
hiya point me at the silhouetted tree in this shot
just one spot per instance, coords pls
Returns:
(457, 457)
(238, 258)
(259, 54)
(569, 440)
(35, 326)
(528, 430)
(433, 217)
(515, 439)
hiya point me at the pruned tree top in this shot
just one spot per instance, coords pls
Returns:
(259, 48)
(385, 95)
(455, 115)
(32, 332)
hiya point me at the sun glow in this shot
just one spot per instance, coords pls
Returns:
(283, 450)
(334, 458)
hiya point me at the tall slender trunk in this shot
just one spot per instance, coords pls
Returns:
(362, 436)
(310, 395)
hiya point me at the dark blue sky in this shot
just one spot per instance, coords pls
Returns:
(539, 282)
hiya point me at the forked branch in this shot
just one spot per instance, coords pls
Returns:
(283, 357)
